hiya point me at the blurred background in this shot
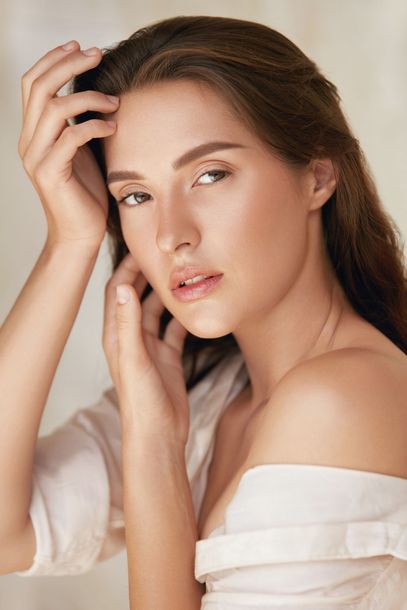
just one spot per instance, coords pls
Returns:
(360, 45)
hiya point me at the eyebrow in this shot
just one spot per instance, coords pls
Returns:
(187, 157)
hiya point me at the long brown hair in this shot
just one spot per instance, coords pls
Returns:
(281, 95)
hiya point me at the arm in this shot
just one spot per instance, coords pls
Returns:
(159, 516)
(32, 339)
(73, 195)
(161, 530)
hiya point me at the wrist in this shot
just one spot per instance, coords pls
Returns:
(152, 446)
(73, 248)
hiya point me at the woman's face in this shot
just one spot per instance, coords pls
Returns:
(247, 220)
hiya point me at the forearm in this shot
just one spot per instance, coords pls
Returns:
(32, 339)
(161, 530)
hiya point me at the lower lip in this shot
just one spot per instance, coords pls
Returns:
(199, 289)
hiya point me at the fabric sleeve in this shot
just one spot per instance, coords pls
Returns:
(304, 536)
(76, 505)
(77, 497)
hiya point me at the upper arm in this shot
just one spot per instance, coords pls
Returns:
(18, 552)
(76, 511)
(344, 409)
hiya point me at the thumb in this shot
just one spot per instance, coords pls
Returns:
(132, 350)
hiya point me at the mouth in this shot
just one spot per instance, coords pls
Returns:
(190, 273)
(195, 280)
(190, 291)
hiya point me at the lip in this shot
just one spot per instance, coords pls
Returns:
(197, 290)
(180, 274)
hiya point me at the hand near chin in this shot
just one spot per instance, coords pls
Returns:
(147, 371)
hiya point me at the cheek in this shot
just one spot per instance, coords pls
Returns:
(268, 242)
(132, 236)
(140, 246)
(259, 223)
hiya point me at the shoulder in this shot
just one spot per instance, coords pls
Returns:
(346, 408)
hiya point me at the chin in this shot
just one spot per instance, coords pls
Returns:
(209, 328)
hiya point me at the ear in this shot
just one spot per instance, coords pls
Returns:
(322, 183)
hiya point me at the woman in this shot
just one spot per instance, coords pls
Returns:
(262, 426)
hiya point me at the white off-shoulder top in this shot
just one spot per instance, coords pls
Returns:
(294, 535)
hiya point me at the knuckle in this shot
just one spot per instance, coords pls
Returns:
(94, 124)
(53, 105)
(35, 85)
(88, 96)
(26, 77)
(28, 166)
(41, 173)
(21, 148)
(120, 320)
(24, 86)
(88, 126)
(70, 133)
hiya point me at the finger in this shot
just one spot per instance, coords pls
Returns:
(54, 120)
(127, 272)
(58, 161)
(141, 390)
(47, 84)
(152, 309)
(42, 65)
(175, 334)
(133, 355)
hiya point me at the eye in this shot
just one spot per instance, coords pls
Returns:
(138, 193)
(214, 171)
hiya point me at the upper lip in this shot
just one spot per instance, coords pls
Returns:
(180, 274)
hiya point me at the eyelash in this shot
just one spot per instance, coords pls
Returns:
(135, 205)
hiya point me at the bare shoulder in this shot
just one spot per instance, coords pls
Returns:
(346, 408)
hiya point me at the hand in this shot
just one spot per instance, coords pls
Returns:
(55, 154)
(147, 372)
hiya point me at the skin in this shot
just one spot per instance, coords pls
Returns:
(260, 226)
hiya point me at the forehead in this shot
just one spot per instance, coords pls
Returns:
(172, 115)
(179, 98)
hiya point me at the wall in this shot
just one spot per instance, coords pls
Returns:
(361, 45)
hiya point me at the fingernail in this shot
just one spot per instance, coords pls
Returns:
(69, 45)
(113, 99)
(91, 51)
(122, 295)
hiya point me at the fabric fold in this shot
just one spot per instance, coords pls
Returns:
(309, 535)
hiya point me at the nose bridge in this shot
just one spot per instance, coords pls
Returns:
(175, 223)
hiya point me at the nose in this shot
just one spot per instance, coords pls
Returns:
(176, 227)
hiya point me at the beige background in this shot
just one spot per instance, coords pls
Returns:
(361, 45)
